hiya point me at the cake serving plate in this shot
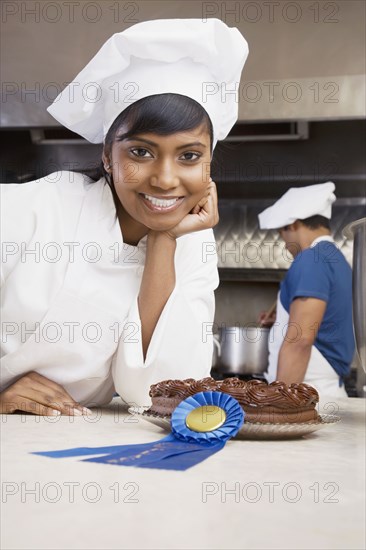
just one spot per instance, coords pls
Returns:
(251, 430)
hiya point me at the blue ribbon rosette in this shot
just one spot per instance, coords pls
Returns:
(201, 425)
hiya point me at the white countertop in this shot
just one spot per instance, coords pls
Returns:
(298, 494)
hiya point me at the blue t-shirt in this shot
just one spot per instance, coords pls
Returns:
(322, 272)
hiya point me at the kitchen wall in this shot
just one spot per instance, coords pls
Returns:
(306, 58)
(240, 302)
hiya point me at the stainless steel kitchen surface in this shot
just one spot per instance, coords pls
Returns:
(241, 244)
(253, 262)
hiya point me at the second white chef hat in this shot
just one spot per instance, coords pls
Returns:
(299, 203)
(200, 59)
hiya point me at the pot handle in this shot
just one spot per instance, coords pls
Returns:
(217, 344)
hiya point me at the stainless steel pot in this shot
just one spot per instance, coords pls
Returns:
(244, 350)
(357, 231)
(216, 351)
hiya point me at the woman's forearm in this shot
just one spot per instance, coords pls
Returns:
(158, 282)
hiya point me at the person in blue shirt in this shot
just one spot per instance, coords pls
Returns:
(312, 338)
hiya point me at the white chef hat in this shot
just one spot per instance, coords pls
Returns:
(299, 203)
(190, 57)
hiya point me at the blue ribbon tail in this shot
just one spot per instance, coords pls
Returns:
(186, 460)
(79, 451)
(85, 451)
(168, 454)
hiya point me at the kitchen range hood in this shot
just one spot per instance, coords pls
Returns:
(242, 132)
(246, 252)
(273, 131)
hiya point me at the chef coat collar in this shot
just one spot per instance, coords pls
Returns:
(327, 238)
(107, 212)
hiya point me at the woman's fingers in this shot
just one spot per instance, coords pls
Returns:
(210, 192)
(27, 405)
(200, 204)
(55, 394)
(206, 214)
(210, 207)
(43, 393)
(213, 190)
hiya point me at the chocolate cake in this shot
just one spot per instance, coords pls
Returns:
(276, 403)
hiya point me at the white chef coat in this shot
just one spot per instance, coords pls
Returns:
(319, 372)
(69, 295)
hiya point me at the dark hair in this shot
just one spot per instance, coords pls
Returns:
(162, 114)
(314, 222)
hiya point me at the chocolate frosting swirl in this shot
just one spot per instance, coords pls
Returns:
(172, 388)
(255, 393)
(206, 384)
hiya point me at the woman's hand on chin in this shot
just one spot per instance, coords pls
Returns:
(204, 215)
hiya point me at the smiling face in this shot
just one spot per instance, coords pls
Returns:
(158, 179)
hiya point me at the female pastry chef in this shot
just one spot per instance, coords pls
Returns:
(109, 284)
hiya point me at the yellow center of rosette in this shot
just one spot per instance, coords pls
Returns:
(206, 418)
